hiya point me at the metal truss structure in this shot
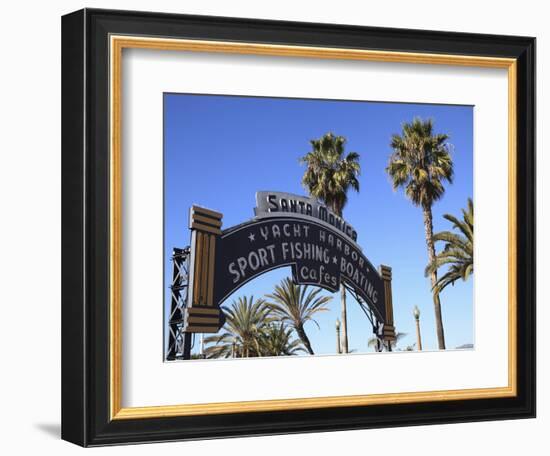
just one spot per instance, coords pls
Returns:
(179, 342)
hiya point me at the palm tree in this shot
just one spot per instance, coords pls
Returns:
(458, 251)
(328, 177)
(293, 304)
(420, 163)
(244, 321)
(276, 340)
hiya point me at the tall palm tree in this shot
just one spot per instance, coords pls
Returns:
(328, 177)
(276, 340)
(420, 163)
(295, 305)
(244, 321)
(458, 252)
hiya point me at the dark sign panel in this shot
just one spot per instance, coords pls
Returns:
(318, 253)
(288, 204)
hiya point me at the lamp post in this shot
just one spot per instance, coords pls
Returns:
(201, 347)
(416, 313)
(338, 342)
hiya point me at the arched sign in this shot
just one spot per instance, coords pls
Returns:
(317, 254)
(288, 230)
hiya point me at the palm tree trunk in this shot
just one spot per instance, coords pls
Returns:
(305, 340)
(338, 210)
(428, 229)
(344, 319)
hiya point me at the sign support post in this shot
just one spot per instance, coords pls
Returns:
(202, 314)
(388, 331)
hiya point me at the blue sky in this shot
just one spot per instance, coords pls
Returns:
(220, 150)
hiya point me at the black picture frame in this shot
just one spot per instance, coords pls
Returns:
(85, 228)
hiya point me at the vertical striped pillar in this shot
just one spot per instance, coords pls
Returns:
(388, 333)
(202, 314)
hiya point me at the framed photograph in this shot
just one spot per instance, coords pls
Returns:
(268, 227)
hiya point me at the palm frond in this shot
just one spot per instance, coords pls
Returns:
(329, 174)
(244, 320)
(420, 162)
(296, 305)
(458, 252)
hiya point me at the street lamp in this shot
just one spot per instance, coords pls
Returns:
(416, 314)
(201, 347)
(338, 346)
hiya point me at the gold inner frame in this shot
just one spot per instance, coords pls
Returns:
(117, 44)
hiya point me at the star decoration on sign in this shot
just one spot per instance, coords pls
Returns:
(334, 260)
(252, 237)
